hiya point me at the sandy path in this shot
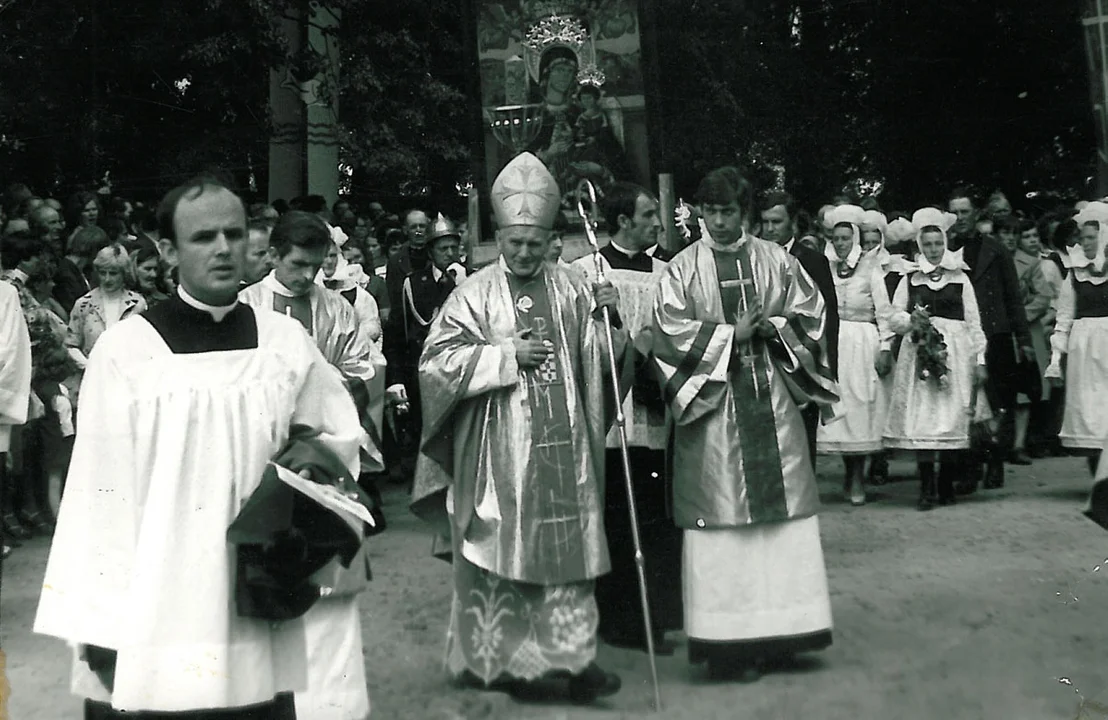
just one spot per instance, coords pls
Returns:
(964, 612)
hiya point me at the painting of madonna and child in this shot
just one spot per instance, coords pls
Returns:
(564, 81)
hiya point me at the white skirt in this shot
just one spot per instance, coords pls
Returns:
(1085, 424)
(924, 415)
(756, 582)
(336, 666)
(864, 397)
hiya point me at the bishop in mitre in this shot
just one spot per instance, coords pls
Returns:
(512, 456)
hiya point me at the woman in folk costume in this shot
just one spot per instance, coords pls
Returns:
(865, 355)
(1081, 333)
(929, 411)
(877, 234)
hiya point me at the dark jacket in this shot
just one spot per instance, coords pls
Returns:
(820, 270)
(993, 274)
(399, 267)
(404, 333)
(70, 284)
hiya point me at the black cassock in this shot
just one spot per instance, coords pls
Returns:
(617, 594)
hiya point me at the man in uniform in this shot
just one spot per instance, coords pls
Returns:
(422, 294)
(512, 456)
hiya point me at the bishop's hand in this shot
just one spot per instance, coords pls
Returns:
(530, 352)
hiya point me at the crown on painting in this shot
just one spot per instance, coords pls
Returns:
(525, 193)
(590, 74)
(442, 227)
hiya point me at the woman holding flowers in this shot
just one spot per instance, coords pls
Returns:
(942, 358)
(865, 355)
(1081, 334)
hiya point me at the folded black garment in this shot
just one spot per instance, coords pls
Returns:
(283, 537)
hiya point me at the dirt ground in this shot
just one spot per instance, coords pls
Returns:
(995, 608)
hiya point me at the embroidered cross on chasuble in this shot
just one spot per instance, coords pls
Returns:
(551, 471)
(298, 308)
(750, 383)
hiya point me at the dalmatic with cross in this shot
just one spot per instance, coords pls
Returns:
(741, 454)
(753, 577)
(332, 323)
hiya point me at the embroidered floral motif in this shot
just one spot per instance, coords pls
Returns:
(504, 628)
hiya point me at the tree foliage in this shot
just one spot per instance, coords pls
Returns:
(916, 95)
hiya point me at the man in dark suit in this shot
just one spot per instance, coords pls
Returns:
(1004, 322)
(779, 226)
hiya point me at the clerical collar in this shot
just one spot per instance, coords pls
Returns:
(271, 282)
(616, 246)
(217, 312)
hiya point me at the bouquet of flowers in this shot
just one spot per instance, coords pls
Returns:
(50, 357)
(931, 352)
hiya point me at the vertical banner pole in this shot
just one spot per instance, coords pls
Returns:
(473, 225)
(667, 201)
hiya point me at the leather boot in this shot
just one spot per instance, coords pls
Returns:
(926, 486)
(994, 474)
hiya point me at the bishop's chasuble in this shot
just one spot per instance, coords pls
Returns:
(511, 466)
(744, 488)
(334, 326)
(181, 409)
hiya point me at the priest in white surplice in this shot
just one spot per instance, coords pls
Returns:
(180, 410)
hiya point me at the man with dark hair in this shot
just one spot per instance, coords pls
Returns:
(778, 225)
(297, 246)
(631, 213)
(738, 336)
(1004, 322)
(141, 577)
(145, 223)
(75, 275)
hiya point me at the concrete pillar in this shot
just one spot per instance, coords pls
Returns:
(304, 106)
(1095, 21)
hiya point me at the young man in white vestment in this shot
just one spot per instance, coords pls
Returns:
(739, 337)
(181, 409)
(298, 246)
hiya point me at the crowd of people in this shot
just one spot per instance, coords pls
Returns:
(961, 333)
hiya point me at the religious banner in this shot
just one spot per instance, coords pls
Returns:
(564, 81)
